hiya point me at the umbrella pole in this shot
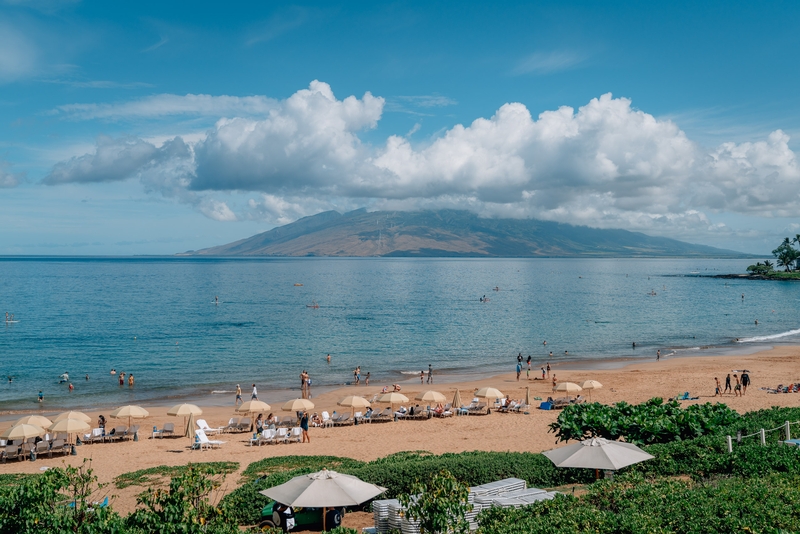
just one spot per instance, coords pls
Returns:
(324, 513)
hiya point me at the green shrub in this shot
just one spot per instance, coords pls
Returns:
(151, 475)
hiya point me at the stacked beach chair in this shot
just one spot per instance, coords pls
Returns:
(507, 493)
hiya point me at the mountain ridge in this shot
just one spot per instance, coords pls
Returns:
(451, 233)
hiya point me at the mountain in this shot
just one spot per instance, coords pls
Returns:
(450, 233)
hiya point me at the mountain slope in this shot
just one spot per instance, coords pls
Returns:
(449, 233)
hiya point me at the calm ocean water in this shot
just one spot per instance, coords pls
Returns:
(156, 317)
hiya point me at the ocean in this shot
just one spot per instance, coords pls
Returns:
(157, 318)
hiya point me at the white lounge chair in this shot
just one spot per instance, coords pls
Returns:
(201, 423)
(233, 424)
(296, 435)
(266, 436)
(204, 442)
(282, 435)
(244, 425)
(326, 419)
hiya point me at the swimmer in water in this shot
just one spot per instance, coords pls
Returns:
(756, 322)
(328, 358)
(633, 345)
(216, 299)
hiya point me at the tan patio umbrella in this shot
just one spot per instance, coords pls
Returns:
(354, 401)
(590, 385)
(323, 489)
(131, 412)
(38, 420)
(457, 401)
(185, 410)
(73, 415)
(568, 387)
(22, 431)
(598, 453)
(528, 395)
(188, 431)
(254, 406)
(70, 427)
(489, 393)
(392, 398)
(296, 405)
(433, 397)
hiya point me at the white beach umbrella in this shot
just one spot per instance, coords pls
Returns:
(431, 396)
(73, 415)
(568, 387)
(254, 406)
(323, 489)
(70, 427)
(392, 398)
(354, 401)
(598, 453)
(38, 420)
(22, 431)
(489, 393)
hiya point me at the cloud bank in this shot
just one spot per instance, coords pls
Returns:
(605, 164)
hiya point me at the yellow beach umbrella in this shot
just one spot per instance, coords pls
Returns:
(568, 387)
(392, 398)
(489, 393)
(297, 405)
(131, 412)
(253, 406)
(73, 415)
(431, 396)
(22, 431)
(590, 385)
(70, 427)
(354, 401)
(38, 420)
(185, 410)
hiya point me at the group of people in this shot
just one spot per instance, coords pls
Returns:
(422, 376)
(272, 421)
(357, 376)
(9, 318)
(739, 388)
(121, 377)
(545, 373)
(305, 384)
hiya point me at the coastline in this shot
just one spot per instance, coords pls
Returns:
(634, 383)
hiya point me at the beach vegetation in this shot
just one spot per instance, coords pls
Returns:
(162, 473)
(786, 255)
(761, 268)
(439, 504)
(653, 421)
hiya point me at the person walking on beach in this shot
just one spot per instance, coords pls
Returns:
(717, 392)
(238, 396)
(548, 366)
(366, 379)
(555, 382)
(304, 426)
(422, 377)
(519, 370)
(528, 374)
(658, 354)
(745, 382)
(737, 389)
(430, 374)
(519, 358)
(543, 373)
(254, 394)
(728, 384)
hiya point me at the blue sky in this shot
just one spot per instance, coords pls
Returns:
(158, 127)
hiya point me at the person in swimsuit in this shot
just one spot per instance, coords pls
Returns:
(727, 384)
(737, 389)
(304, 426)
(238, 396)
(548, 366)
(430, 374)
(717, 392)
(130, 379)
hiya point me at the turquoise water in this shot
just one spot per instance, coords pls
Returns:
(156, 317)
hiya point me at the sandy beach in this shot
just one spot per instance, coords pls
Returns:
(496, 432)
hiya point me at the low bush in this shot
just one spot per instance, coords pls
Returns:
(149, 476)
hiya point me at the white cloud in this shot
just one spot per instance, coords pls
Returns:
(168, 104)
(7, 178)
(547, 62)
(605, 164)
(18, 54)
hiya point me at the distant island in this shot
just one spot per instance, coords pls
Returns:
(786, 256)
(451, 233)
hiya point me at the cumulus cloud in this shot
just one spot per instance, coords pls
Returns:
(605, 164)
(167, 104)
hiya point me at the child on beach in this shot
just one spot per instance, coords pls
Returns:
(41, 396)
(422, 377)
(717, 392)
(366, 379)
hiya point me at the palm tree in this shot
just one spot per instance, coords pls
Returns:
(768, 264)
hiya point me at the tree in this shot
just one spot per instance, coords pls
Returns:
(440, 505)
(786, 255)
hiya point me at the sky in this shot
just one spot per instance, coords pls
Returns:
(160, 127)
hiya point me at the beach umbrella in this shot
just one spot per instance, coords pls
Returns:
(73, 415)
(527, 395)
(298, 405)
(457, 401)
(131, 412)
(568, 387)
(354, 401)
(489, 393)
(253, 406)
(185, 410)
(433, 397)
(22, 431)
(323, 489)
(598, 453)
(38, 420)
(590, 385)
(189, 431)
(392, 398)
(70, 427)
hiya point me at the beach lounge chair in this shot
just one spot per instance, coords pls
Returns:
(282, 435)
(11, 452)
(233, 425)
(97, 435)
(326, 420)
(295, 435)
(131, 432)
(264, 437)
(480, 409)
(201, 423)
(58, 446)
(244, 425)
(343, 421)
(42, 448)
(206, 443)
(287, 421)
(117, 433)
(168, 428)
